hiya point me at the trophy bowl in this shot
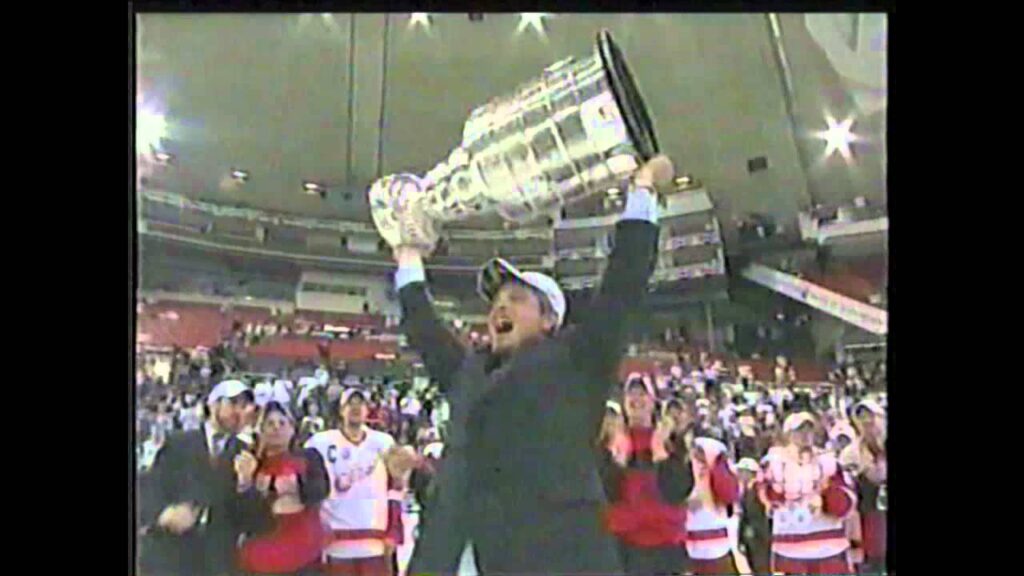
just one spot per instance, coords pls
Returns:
(577, 130)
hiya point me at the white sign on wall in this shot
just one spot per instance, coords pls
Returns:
(865, 316)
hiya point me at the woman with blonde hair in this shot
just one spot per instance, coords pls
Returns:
(715, 492)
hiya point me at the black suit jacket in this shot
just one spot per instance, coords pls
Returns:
(520, 478)
(183, 471)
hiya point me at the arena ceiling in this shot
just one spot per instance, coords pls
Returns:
(341, 99)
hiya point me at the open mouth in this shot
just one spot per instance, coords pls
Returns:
(503, 326)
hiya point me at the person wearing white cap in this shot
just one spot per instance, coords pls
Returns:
(754, 528)
(840, 436)
(532, 401)
(868, 463)
(715, 488)
(191, 414)
(612, 426)
(423, 480)
(810, 499)
(263, 392)
(367, 471)
(187, 528)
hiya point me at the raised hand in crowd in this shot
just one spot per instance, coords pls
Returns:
(245, 468)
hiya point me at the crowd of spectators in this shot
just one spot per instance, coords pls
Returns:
(701, 398)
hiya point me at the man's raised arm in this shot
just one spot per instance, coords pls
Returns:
(601, 339)
(442, 353)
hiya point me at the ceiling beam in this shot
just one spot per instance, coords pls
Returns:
(369, 92)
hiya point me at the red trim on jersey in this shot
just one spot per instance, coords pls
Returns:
(811, 537)
(358, 534)
(701, 535)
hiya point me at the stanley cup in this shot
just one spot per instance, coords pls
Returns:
(575, 131)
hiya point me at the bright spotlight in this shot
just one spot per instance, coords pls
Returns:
(838, 137)
(532, 19)
(419, 18)
(151, 128)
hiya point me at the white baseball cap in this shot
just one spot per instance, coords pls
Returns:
(263, 392)
(434, 450)
(227, 389)
(794, 421)
(871, 406)
(842, 428)
(748, 464)
(281, 395)
(712, 447)
(498, 271)
(638, 378)
(347, 394)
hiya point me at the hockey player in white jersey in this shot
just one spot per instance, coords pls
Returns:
(368, 473)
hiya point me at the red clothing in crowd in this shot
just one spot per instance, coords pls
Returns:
(295, 540)
(873, 516)
(639, 516)
(379, 418)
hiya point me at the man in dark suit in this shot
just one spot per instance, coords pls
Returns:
(519, 478)
(186, 502)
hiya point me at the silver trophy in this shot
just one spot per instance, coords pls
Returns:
(575, 131)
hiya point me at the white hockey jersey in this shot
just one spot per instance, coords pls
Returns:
(356, 511)
(708, 524)
(800, 528)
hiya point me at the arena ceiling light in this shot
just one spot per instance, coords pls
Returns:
(150, 130)
(838, 137)
(419, 18)
(534, 19)
(326, 18)
(314, 189)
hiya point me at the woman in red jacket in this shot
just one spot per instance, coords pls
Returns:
(279, 495)
(647, 475)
